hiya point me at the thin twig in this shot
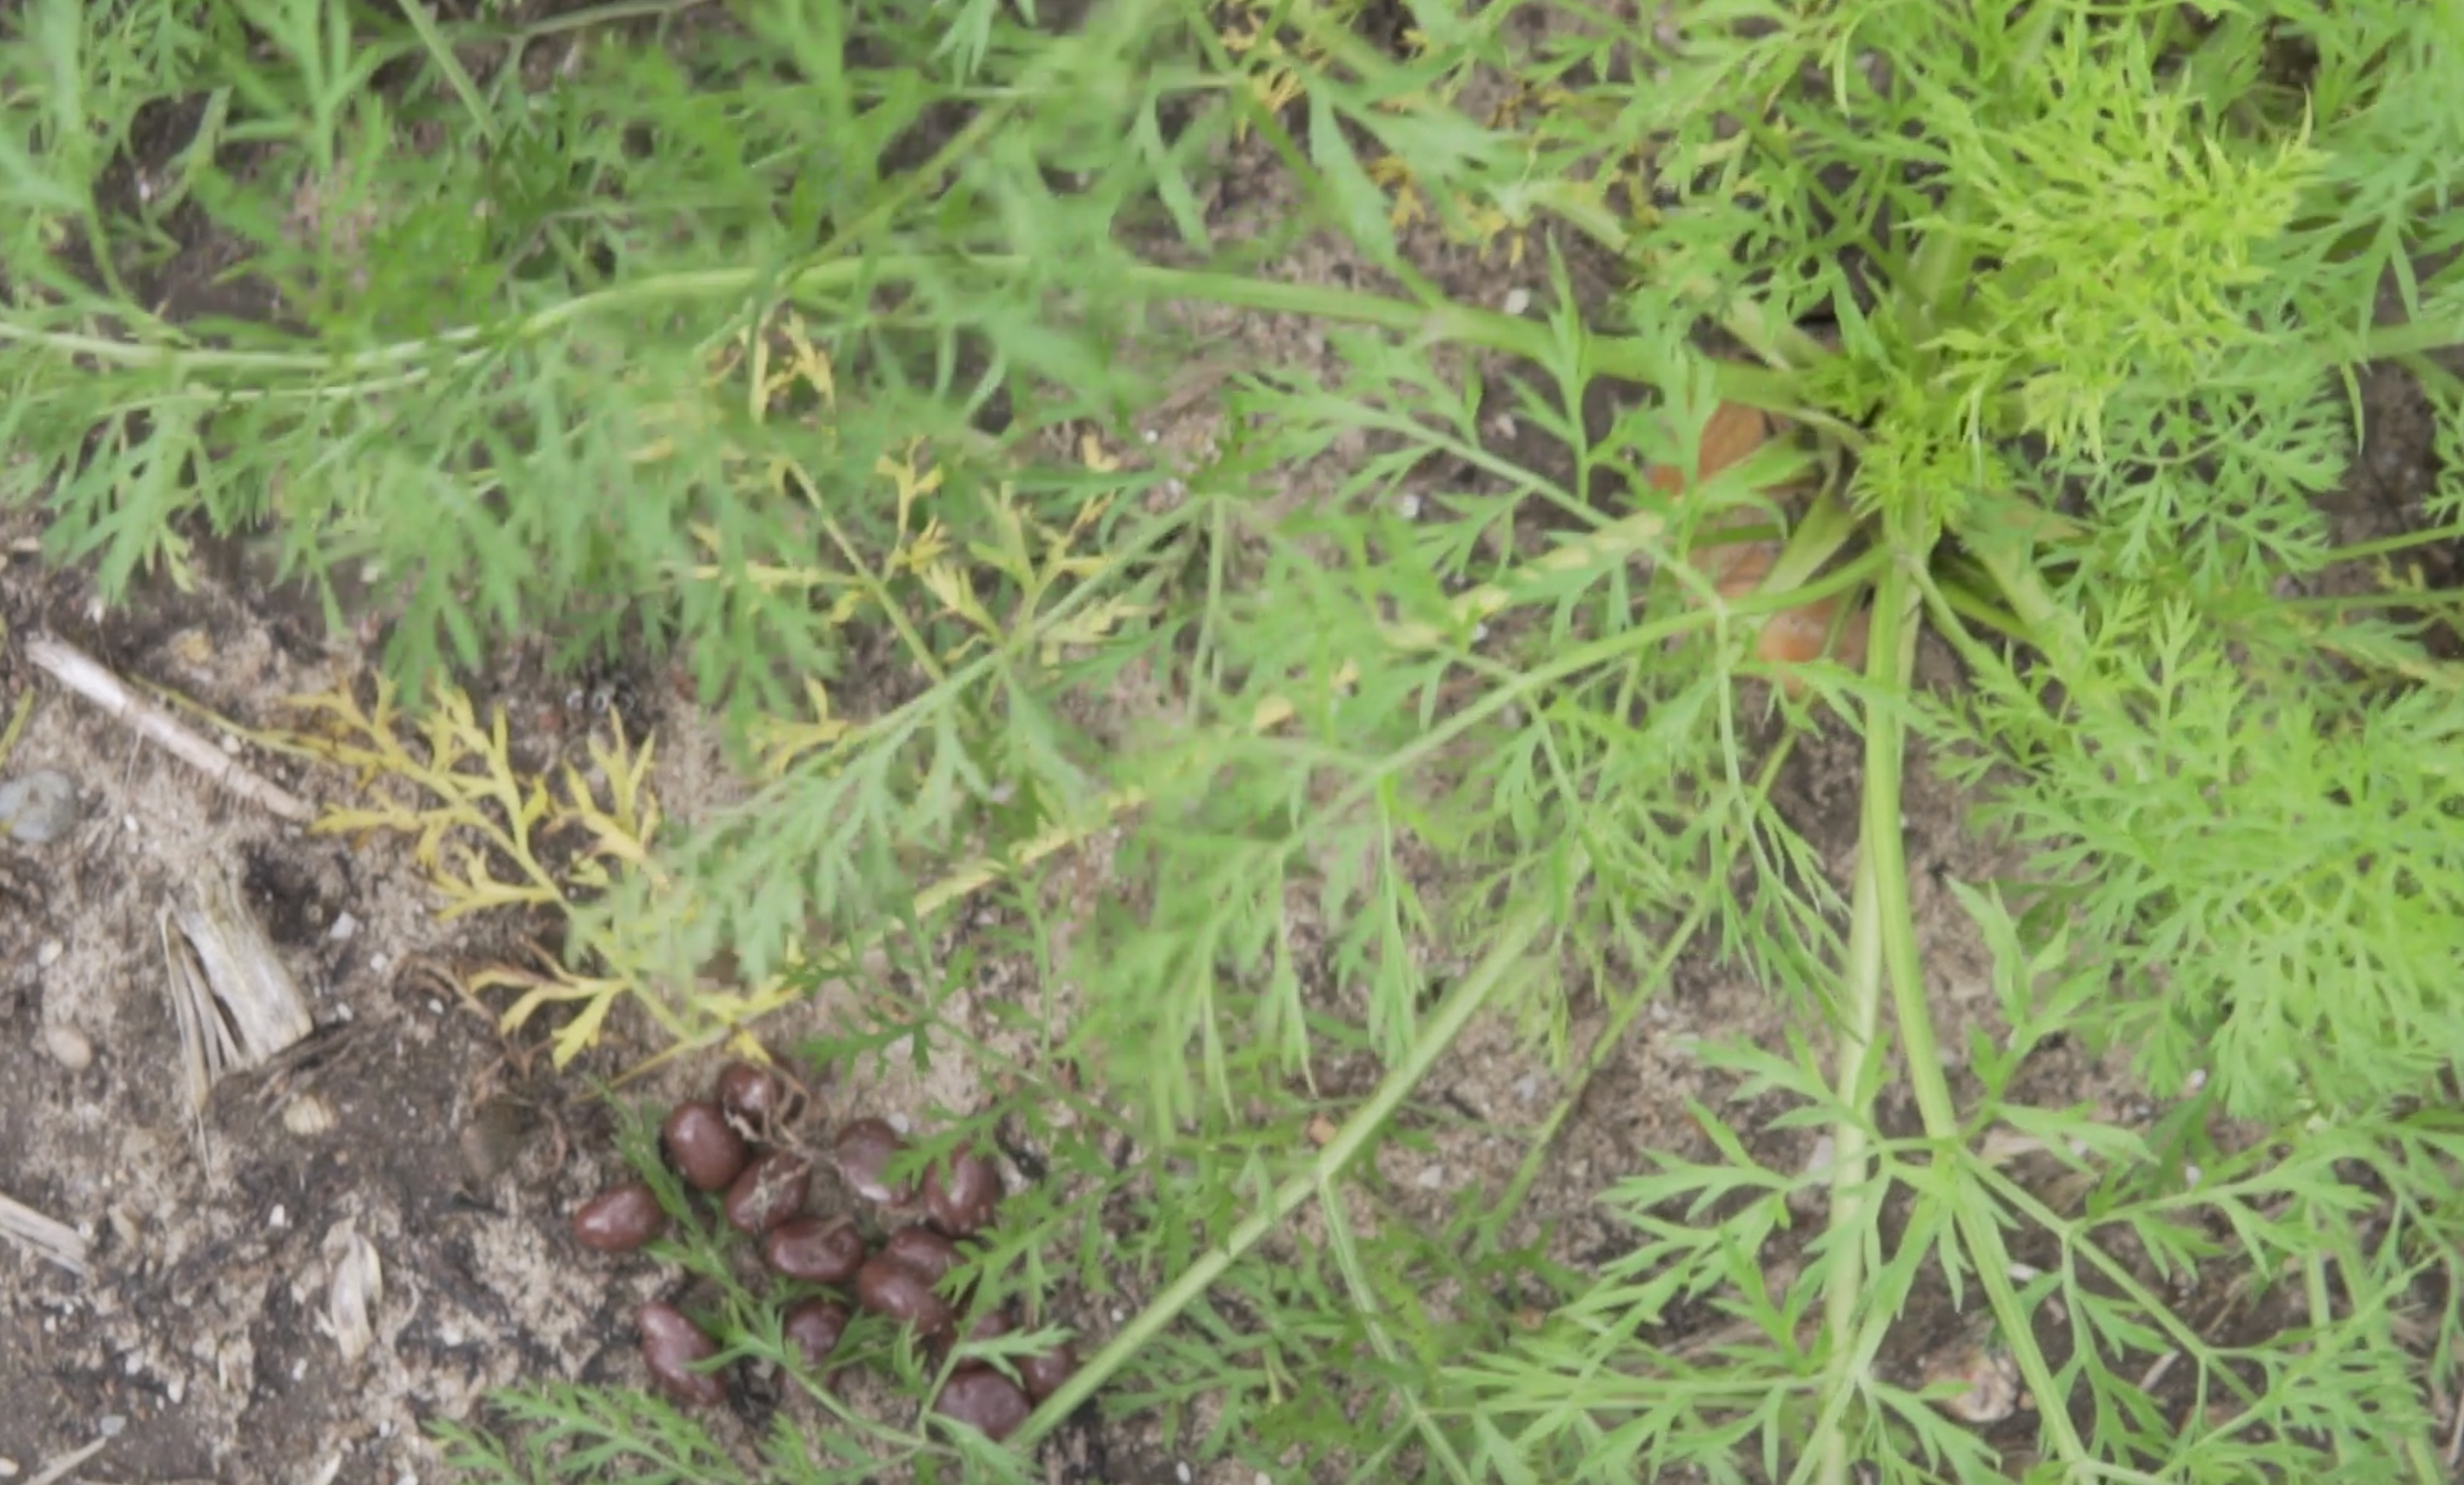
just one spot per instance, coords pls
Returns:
(56, 1241)
(79, 672)
(59, 1469)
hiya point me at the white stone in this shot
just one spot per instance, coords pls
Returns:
(68, 1046)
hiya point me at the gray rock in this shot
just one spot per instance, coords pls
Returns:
(39, 808)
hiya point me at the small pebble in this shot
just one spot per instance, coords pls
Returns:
(1432, 1177)
(344, 926)
(110, 1425)
(307, 1115)
(68, 1046)
(278, 1219)
(1183, 1470)
(1517, 300)
(8, 1467)
(39, 808)
(49, 954)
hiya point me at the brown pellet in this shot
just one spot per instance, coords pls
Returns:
(925, 1251)
(961, 1193)
(865, 1149)
(705, 1151)
(985, 1401)
(768, 1192)
(671, 1344)
(814, 1329)
(619, 1219)
(892, 1289)
(820, 1249)
(1044, 1374)
(755, 1099)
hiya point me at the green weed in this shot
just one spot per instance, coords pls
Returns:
(2067, 301)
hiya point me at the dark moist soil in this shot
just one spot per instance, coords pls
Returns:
(200, 1347)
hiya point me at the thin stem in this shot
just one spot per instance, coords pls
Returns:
(1896, 605)
(1364, 1299)
(1613, 1034)
(408, 362)
(2388, 343)
(1860, 1036)
(1451, 1018)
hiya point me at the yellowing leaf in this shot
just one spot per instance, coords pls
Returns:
(957, 592)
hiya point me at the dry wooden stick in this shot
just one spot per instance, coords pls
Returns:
(73, 669)
(60, 1468)
(56, 1241)
(236, 1003)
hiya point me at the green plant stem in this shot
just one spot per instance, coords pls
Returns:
(1940, 271)
(440, 52)
(612, 15)
(1452, 1015)
(1364, 1299)
(1851, 1170)
(1961, 593)
(1613, 1034)
(2391, 342)
(1894, 637)
(417, 359)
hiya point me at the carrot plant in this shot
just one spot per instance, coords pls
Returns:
(791, 332)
